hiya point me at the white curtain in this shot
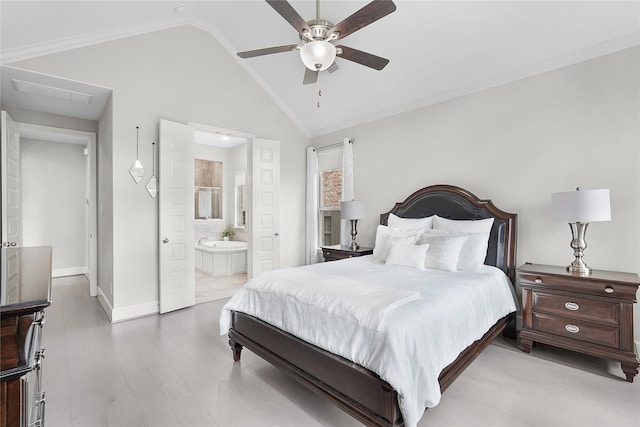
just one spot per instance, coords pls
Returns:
(347, 187)
(311, 250)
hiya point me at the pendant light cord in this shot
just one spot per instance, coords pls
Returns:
(137, 143)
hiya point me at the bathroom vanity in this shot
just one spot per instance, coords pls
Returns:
(25, 291)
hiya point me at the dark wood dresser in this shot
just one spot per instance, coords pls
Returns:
(591, 314)
(26, 293)
(336, 252)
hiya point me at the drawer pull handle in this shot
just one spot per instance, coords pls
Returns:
(538, 280)
(571, 306)
(608, 290)
(572, 328)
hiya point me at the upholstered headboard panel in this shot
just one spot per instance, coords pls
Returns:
(456, 203)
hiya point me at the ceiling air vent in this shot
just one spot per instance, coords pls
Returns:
(50, 91)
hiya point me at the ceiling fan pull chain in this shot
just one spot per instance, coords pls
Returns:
(319, 95)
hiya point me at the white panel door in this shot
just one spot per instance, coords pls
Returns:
(11, 197)
(175, 184)
(265, 206)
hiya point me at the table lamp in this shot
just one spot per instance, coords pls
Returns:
(579, 208)
(353, 210)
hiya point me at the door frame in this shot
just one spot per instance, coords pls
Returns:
(249, 179)
(55, 134)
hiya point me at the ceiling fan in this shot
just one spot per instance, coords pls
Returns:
(318, 36)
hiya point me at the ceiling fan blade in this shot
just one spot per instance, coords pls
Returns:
(364, 58)
(333, 67)
(267, 51)
(310, 76)
(370, 13)
(289, 14)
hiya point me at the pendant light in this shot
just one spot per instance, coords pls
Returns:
(152, 185)
(137, 171)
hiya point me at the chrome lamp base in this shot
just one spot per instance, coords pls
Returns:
(579, 244)
(354, 231)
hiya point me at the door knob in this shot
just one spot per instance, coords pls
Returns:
(277, 234)
(165, 240)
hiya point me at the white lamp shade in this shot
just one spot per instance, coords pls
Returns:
(318, 55)
(353, 209)
(581, 206)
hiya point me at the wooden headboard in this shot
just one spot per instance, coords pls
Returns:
(452, 202)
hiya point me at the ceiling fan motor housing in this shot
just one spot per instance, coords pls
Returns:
(319, 29)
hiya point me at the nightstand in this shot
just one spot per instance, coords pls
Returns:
(590, 314)
(336, 252)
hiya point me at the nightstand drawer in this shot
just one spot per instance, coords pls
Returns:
(338, 252)
(578, 308)
(577, 329)
(335, 255)
(583, 285)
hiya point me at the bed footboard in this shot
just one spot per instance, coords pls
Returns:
(356, 390)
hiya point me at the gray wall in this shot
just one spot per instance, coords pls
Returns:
(180, 74)
(53, 180)
(516, 144)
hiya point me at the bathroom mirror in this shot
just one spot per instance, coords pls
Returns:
(208, 189)
(240, 211)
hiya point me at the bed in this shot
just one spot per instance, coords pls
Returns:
(359, 391)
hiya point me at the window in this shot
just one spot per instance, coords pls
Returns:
(330, 194)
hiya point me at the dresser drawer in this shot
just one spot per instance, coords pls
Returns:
(585, 285)
(577, 329)
(576, 307)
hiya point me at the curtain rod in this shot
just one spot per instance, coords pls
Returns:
(334, 146)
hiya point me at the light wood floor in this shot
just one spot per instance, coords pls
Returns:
(211, 288)
(176, 370)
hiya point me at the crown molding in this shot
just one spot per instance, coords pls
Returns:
(27, 52)
(22, 53)
(592, 52)
(9, 56)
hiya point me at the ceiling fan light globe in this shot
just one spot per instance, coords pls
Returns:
(318, 55)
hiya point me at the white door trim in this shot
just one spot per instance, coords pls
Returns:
(214, 129)
(55, 134)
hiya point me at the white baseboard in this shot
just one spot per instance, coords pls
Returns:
(106, 306)
(134, 311)
(69, 271)
(126, 313)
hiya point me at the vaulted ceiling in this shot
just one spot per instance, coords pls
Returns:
(437, 49)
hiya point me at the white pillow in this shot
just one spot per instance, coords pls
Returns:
(385, 235)
(407, 255)
(467, 226)
(474, 250)
(443, 252)
(410, 223)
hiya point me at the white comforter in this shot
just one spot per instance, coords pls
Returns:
(428, 318)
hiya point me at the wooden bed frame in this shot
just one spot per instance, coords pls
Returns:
(356, 390)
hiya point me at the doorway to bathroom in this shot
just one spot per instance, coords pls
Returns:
(177, 210)
(220, 208)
